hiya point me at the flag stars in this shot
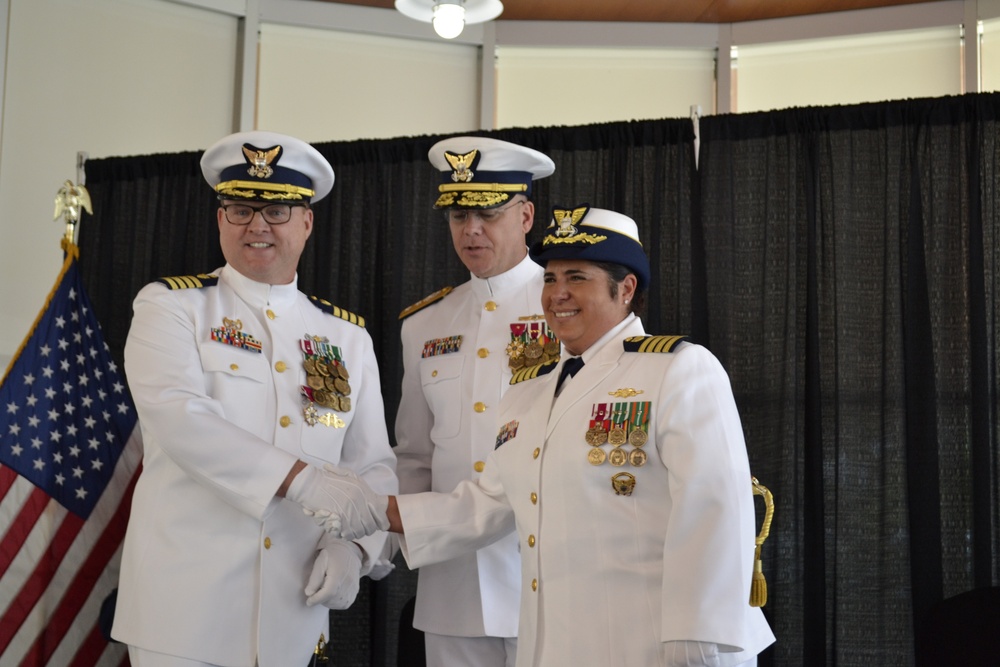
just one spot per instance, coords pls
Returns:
(61, 322)
(34, 421)
(87, 401)
(89, 421)
(45, 350)
(29, 379)
(50, 393)
(47, 372)
(55, 436)
(31, 400)
(74, 451)
(57, 458)
(53, 415)
(63, 344)
(64, 365)
(69, 408)
(94, 443)
(36, 443)
(77, 472)
(123, 408)
(60, 479)
(16, 450)
(12, 408)
(83, 380)
(81, 359)
(97, 465)
(81, 493)
(38, 464)
(118, 387)
(15, 429)
(71, 430)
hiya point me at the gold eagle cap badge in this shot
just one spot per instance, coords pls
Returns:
(260, 160)
(567, 219)
(461, 165)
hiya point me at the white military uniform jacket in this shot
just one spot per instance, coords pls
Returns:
(446, 428)
(607, 578)
(214, 566)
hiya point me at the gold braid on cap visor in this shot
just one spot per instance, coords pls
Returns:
(277, 191)
(477, 194)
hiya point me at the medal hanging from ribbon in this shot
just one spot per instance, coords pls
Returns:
(531, 343)
(327, 381)
(619, 425)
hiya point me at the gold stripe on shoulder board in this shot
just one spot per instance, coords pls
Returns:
(652, 343)
(188, 282)
(426, 301)
(531, 372)
(337, 311)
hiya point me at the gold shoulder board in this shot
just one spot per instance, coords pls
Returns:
(337, 311)
(426, 301)
(531, 372)
(187, 282)
(652, 343)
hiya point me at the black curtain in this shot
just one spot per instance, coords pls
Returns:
(840, 261)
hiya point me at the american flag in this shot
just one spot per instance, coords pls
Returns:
(69, 455)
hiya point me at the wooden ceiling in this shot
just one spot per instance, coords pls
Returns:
(666, 11)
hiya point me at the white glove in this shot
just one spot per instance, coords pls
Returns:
(336, 574)
(382, 565)
(339, 501)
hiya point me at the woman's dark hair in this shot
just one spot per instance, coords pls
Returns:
(616, 274)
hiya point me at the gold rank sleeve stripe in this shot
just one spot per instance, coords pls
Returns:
(652, 343)
(189, 282)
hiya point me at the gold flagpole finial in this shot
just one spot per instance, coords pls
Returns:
(70, 199)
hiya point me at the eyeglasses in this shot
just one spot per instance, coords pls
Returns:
(486, 216)
(273, 214)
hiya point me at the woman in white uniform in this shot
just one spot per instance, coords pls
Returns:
(629, 484)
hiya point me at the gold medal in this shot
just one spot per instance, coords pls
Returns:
(342, 386)
(342, 372)
(617, 436)
(637, 458)
(637, 438)
(516, 362)
(596, 436)
(322, 368)
(328, 384)
(345, 404)
(596, 456)
(334, 403)
(315, 382)
(552, 348)
(533, 351)
(310, 366)
(617, 457)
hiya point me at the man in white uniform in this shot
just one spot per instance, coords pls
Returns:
(460, 347)
(248, 392)
(629, 484)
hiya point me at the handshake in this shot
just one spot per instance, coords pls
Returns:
(339, 501)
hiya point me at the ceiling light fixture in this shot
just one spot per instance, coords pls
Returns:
(449, 17)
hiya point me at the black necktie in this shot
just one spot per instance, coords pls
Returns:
(572, 365)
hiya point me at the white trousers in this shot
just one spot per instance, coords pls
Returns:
(447, 651)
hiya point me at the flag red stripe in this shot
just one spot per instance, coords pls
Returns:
(90, 649)
(34, 587)
(83, 582)
(7, 479)
(20, 528)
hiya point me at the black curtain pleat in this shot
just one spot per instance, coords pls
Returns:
(841, 262)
